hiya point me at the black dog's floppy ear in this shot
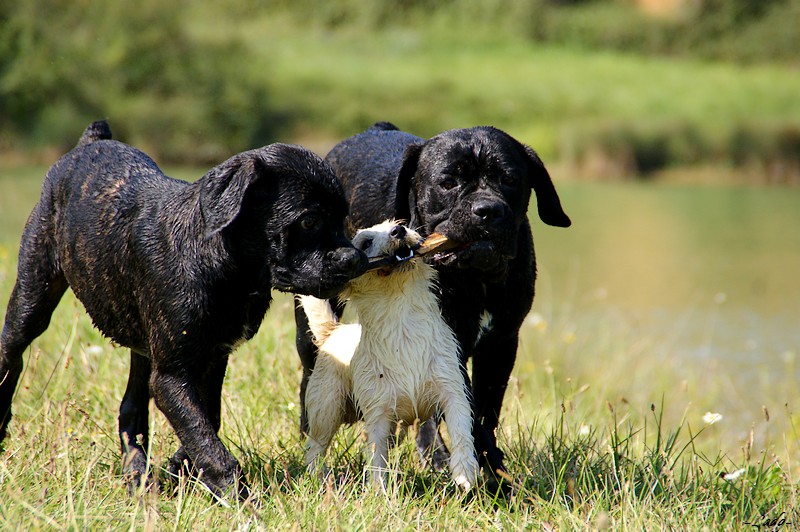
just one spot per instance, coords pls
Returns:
(403, 201)
(549, 205)
(222, 191)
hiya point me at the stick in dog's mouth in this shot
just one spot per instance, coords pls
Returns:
(401, 254)
(433, 244)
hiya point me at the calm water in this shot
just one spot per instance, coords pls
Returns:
(715, 271)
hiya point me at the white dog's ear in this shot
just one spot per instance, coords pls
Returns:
(222, 190)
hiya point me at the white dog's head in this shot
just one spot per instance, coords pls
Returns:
(391, 240)
(390, 247)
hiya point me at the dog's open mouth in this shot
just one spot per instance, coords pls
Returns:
(403, 253)
(480, 255)
(450, 253)
(386, 263)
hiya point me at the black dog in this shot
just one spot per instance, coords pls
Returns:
(178, 272)
(473, 186)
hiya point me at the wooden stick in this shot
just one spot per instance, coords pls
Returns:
(432, 244)
(435, 242)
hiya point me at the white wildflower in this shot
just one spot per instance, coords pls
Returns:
(709, 418)
(734, 475)
(94, 350)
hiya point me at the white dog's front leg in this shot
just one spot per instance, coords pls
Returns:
(326, 397)
(315, 457)
(378, 429)
(458, 416)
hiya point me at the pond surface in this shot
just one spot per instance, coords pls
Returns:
(714, 271)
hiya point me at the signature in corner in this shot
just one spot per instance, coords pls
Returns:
(771, 523)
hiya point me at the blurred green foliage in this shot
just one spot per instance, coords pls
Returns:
(737, 30)
(66, 62)
(194, 82)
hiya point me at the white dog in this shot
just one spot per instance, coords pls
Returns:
(399, 363)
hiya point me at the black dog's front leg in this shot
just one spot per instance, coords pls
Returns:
(133, 421)
(304, 341)
(211, 395)
(492, 364)
(177, 396)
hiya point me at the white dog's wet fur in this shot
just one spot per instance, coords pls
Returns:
(399, 363)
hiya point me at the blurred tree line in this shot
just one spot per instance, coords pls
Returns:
(189, 95)
(138, 62)
(736, 30)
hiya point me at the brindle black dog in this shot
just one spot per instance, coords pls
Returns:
(473, 186)
(180, 273)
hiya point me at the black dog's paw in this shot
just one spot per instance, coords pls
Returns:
(436, 457)
(150, 483)
(180, 465)
(439, 459)
(497, 479)
(136, 473)
(432, 450)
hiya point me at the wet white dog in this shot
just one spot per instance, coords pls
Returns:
(399, 363)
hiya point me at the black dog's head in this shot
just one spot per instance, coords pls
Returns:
(281, 210)
(473, 186)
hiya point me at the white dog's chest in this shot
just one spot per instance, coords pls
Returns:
(401, 375)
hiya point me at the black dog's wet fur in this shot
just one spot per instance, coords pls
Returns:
(472, 185)
(178, 272)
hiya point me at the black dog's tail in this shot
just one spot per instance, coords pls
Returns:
(98, 130)
(383, 126)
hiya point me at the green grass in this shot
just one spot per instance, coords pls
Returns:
(599, 432)
(578, 455)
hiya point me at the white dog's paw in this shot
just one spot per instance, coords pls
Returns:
(462, 482)
(465, 473)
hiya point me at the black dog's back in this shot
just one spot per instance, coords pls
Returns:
(103, 201)
(367, 164)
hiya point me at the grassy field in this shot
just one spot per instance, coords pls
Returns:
(593, 441)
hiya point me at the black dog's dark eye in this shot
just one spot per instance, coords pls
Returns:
(366, 244)
(508, 180)
(310, 222)
(448, 183)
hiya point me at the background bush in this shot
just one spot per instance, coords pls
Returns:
(194, 82)
(137, 62)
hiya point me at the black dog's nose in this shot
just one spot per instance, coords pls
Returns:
(488, 211)
(398, 232)
(350, 261)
